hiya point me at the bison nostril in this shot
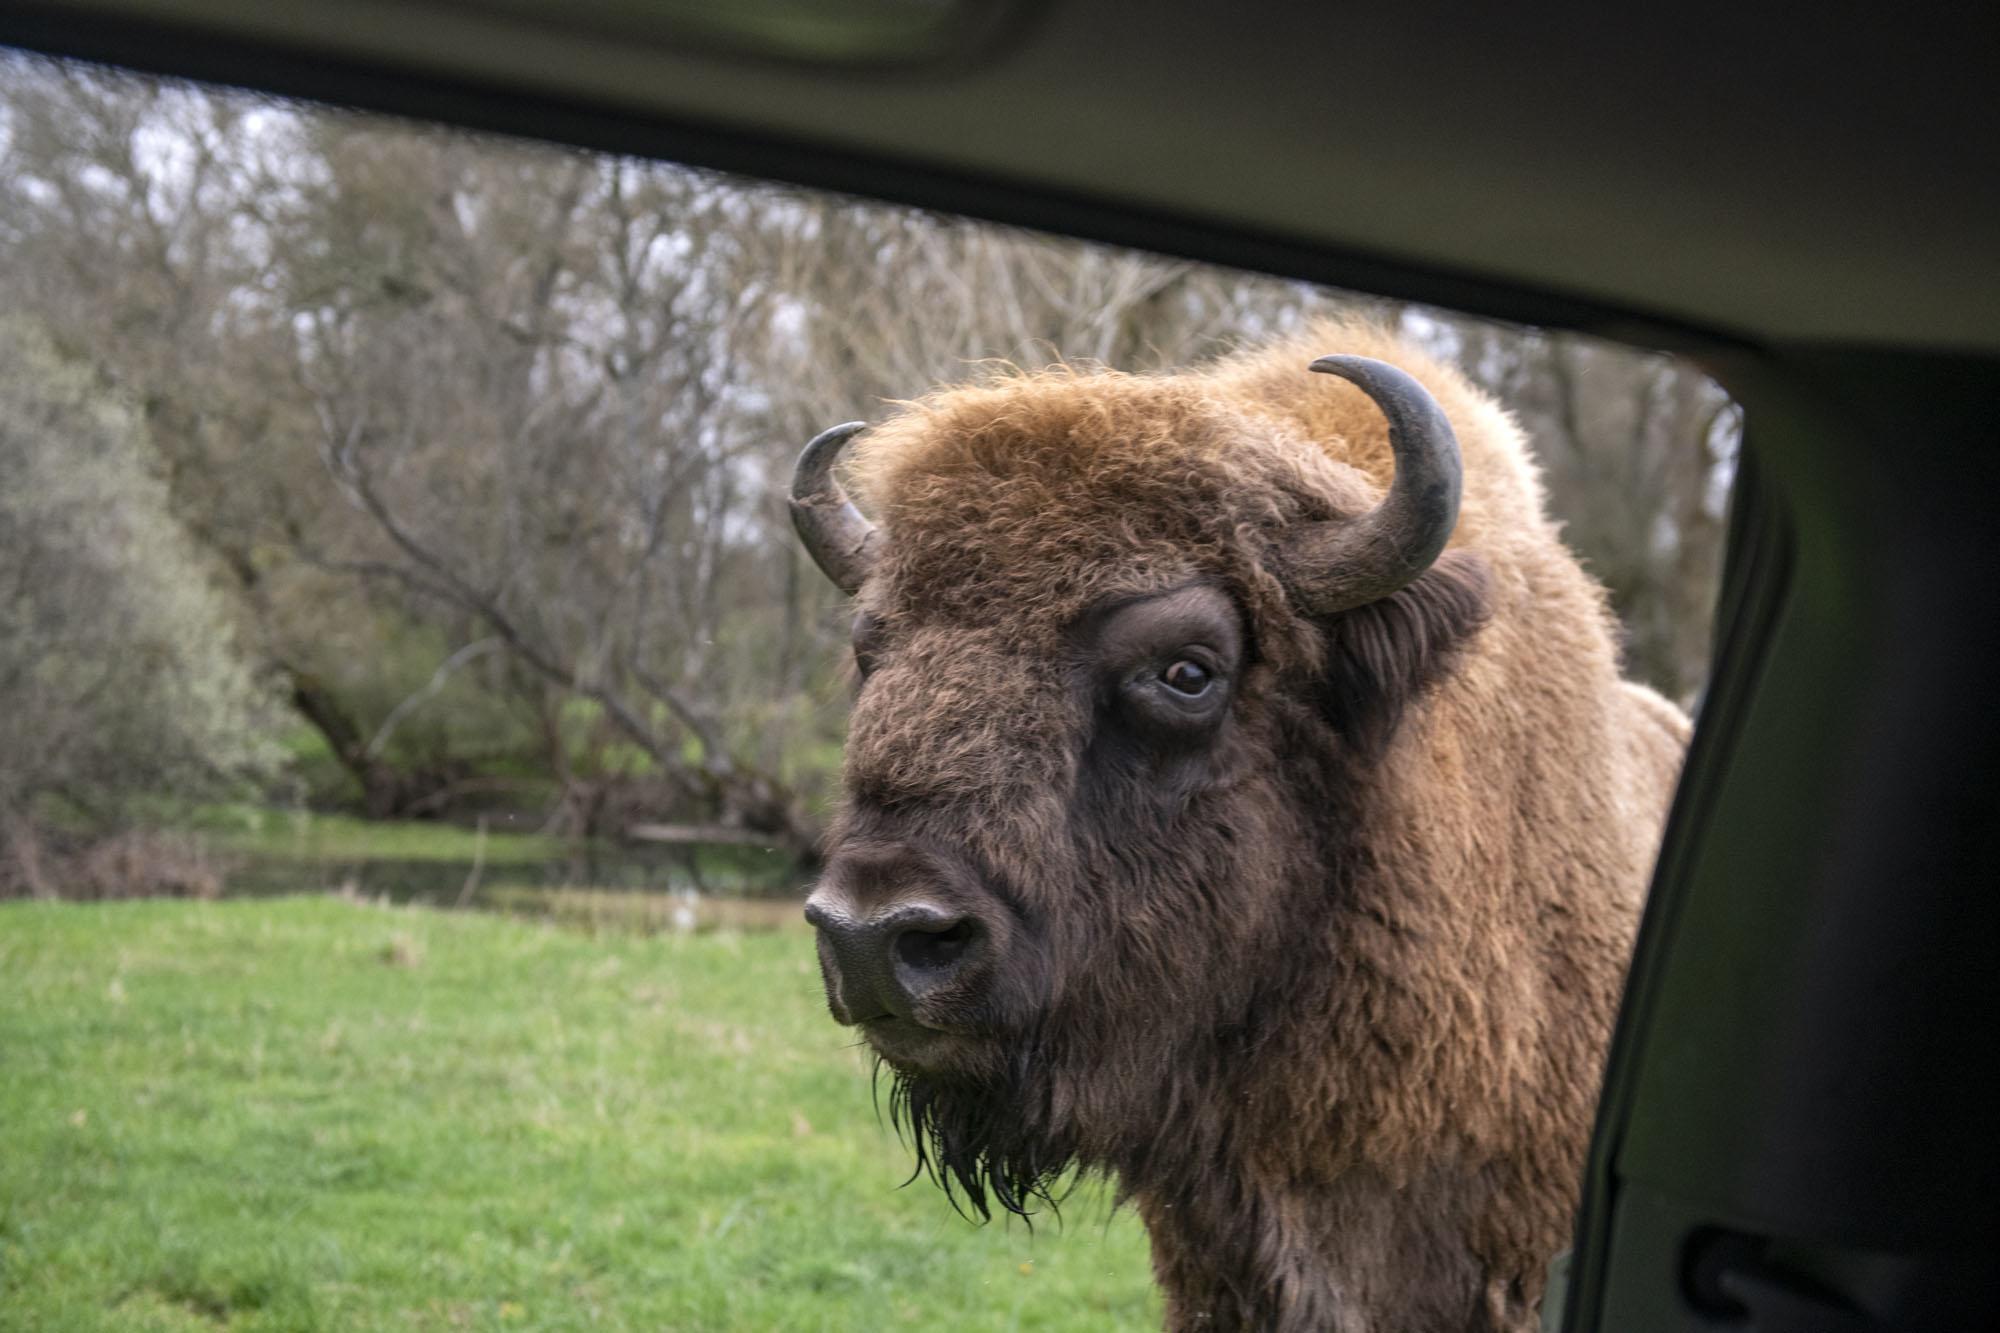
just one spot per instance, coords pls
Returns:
(934, 951)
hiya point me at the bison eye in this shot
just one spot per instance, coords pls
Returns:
(1186, 677)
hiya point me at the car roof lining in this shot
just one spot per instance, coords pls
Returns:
(1521, 166)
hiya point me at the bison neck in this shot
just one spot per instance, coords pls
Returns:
(1365, 1254)
(1354, 1156)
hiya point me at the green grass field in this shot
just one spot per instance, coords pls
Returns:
(309, 1113)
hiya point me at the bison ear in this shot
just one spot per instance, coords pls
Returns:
(1382, 655)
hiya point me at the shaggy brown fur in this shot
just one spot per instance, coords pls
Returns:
(1324, 980)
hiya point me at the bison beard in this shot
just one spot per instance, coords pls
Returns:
(1232, 813)
(981, 1140)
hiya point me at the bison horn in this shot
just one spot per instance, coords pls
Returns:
(1337, 565)
(840, 541)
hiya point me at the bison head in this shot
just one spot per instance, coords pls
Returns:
(1128, 647)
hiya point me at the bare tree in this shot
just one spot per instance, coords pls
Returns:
(1637, 452)
(520, 367)
(143, 223)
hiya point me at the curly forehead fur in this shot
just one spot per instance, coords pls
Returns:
(1325, 989)
(1034, 495)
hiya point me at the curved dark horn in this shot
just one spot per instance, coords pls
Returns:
(1346, 563)
(841, 542)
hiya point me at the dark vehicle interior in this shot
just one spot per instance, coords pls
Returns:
(1794, 1133)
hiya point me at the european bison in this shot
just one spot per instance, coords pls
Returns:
(1234, 810)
